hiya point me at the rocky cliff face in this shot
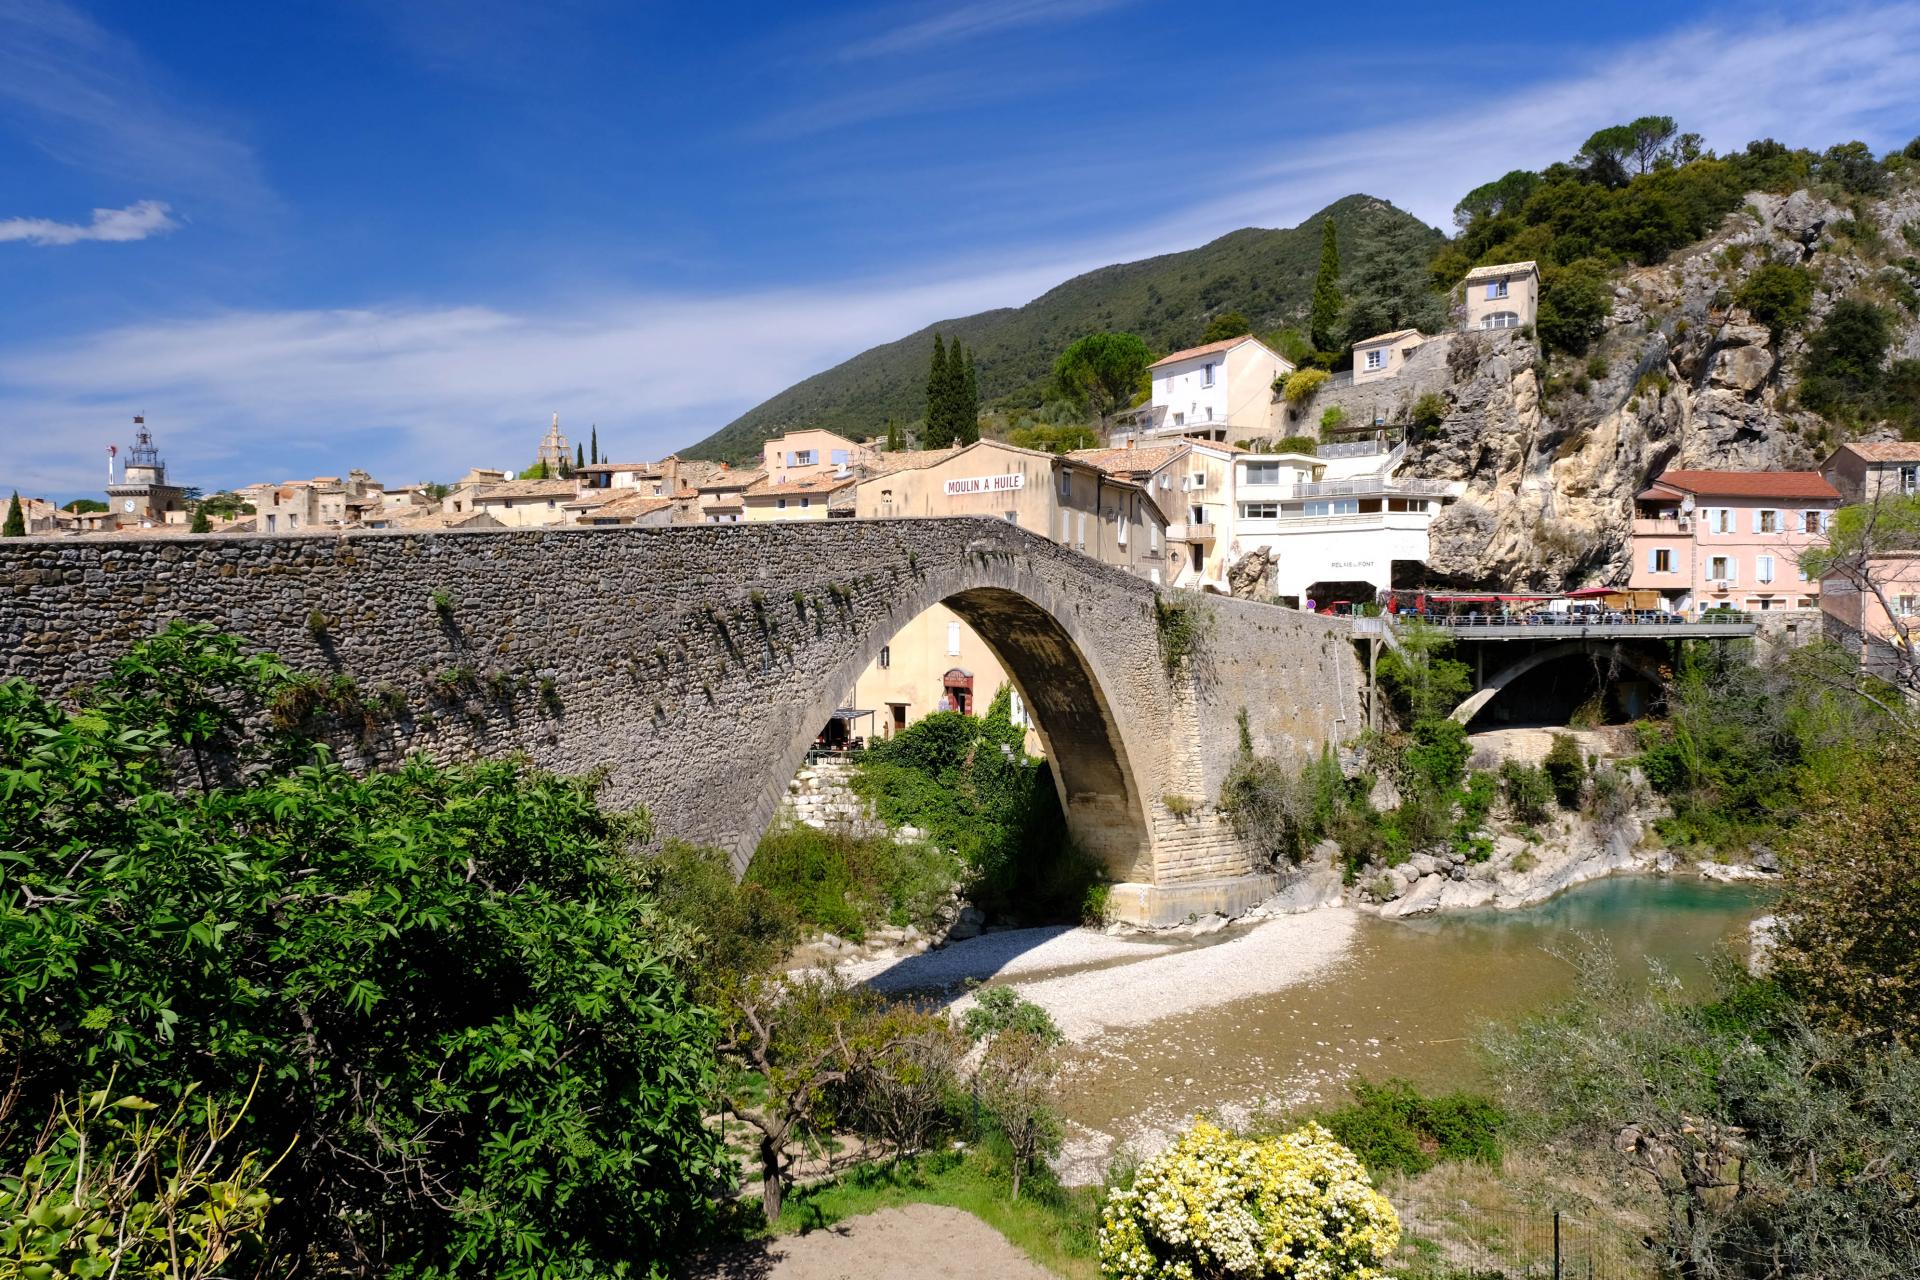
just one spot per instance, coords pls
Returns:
(1553, 452)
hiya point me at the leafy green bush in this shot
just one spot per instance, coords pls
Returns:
(1394, 1128)
(1437, 758)
(1333, 418)
(463, 1012)
(998, 1009)
(1528, 791)
(1574, 302)
(1429, 411)
(1566, 769)
(1777, 295)
(1295, 444)
(846, 884)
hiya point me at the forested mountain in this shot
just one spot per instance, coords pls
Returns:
(1266, 275)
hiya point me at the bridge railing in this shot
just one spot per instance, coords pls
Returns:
(1719, 624)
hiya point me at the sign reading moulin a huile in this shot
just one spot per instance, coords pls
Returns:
(987, 484)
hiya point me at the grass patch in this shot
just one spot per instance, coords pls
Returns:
(1394, 1128)
(1055, 1226)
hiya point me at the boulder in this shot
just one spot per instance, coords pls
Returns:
(1742, 368)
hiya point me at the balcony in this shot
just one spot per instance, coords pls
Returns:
(1191, 531)
(1368, 486)
(1662, 527)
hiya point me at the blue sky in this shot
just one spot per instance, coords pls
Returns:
(399, 233)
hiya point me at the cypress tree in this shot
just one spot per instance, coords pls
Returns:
(596, 444)
(1326, 291)
(16, 526)
(937, 397)
(893, 436)
(579, 455)
(969, 403)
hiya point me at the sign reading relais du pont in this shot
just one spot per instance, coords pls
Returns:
(987, 484)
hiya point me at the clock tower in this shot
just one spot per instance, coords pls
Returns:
(142, 495)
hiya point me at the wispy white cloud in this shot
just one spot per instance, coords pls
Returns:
(135, 222)
(426, 391)
(955, 23)
(86, 97)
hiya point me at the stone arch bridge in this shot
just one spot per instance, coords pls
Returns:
(696, 665)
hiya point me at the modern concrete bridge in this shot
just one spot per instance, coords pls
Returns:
(696, 665)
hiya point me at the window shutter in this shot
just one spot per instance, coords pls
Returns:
(1653, 561)
(1492, 292)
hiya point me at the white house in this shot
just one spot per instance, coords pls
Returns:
(1221, 392)
(1334, 525)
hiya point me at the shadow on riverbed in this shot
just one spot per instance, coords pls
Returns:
(1030, 954)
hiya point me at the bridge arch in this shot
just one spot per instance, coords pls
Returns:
(1616, 653)
(1033, 634)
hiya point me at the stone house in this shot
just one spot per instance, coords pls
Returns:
(1868, 472)
(1505, 295)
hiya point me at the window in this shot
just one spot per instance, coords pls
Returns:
(1196, 515)
(1120, 523)
(1376, 359)
(1660, 560)
(886, 656)
(1179, 419)
(273, 519)
(1066, 527)
(953, 639)
(1910, 479)
(1199, 558)
(779, 504)
(1906, 606)
(1496, 289)
(1153, 536)
(1206, 374)
(1012, 517)
(1081, 542)
(839, 457)
(802, 458)
(1501, 320)
(1720, 569)
(1719, 519)
(1333, 507)
(293, 521)
(1261, 473)
(1765, 521)
(1812, 521)
(1066, 483)
(1763, 568)
(1166, 481)
(1197, 481)
(1155, 575)
(805, 503)
(1259, 511)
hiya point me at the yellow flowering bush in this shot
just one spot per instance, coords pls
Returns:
(1299, 1207)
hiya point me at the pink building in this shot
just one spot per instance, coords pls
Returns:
(1730, 539)
(1880, 627)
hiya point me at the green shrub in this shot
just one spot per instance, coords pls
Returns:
(442, 976)
(1566, 769)
(1332, 418)
(1844, 362)
(1597, 367)
(1002, 1008)
(847, 884)
(1528, 791)
(1295, 444)
(1429, 411)
(1438, 756)
(1394, 1128)
(1574, 302)
(1778, 296)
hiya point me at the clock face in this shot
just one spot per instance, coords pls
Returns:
(127, 506)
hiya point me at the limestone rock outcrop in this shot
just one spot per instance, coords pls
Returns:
(1553, 452)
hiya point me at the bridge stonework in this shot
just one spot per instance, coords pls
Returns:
(696, 665)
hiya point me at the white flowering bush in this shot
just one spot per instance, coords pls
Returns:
(1299, 1206)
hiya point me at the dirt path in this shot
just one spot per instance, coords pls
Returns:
(917, 1242)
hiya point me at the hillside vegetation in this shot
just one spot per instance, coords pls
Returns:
(1265, 275)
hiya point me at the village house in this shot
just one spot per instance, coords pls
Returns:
(721, 498)
(1869, 472)
(324, 502)
(813, 451)
(1382, 355)
(629, 506)
(1730, 539)
(1503, 296)
(516, 504)
(1191, 482)
(1221, 391)
(814, 496)
(1331, 529)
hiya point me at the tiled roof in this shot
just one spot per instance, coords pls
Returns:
(905, 460)
(1885, 450)
(1387, 337)
(1143, 458)
(1502, 269)
(1747, 484)
(824, 483)
(731, 479)
(523, 489)
(631, 504)
(1225, 344)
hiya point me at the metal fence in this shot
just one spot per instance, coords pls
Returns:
(1476, 1244)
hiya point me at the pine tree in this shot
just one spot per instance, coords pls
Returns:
(937, 398)
(201, 524)
(969, 403)
(16, 526)
(1326, 292)
(596, 444)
